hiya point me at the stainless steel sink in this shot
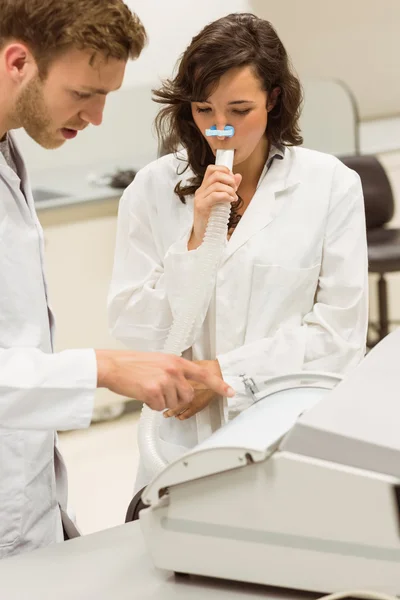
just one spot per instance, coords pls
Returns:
(40, 195)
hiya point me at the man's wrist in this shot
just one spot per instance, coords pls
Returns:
(104, 367)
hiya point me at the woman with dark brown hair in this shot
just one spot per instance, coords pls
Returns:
(291, 289)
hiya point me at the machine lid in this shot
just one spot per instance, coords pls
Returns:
(358, 423)
(253, 436)
(197, 464)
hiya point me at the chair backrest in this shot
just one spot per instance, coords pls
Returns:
(378, 195)
(329, 120)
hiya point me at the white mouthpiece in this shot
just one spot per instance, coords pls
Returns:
(225, 158)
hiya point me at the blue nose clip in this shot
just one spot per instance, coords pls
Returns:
(229, 131)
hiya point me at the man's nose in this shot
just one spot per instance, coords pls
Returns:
(93, 113)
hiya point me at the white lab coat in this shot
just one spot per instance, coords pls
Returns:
(40, 392)
(291, 290)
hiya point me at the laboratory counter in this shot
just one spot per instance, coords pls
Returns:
(74, 185)
(114, 564)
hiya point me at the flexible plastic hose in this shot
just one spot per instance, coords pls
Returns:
(210, 253)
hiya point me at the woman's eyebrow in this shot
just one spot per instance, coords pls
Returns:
(229, 103)
(241, 102)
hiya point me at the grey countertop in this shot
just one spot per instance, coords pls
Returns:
(114, 565)
(65, 186)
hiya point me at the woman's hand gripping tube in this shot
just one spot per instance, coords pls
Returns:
(210, 253)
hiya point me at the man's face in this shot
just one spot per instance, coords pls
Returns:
(71, 97)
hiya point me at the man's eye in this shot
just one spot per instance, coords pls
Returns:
(82, 95)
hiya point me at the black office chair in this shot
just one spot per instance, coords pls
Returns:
(134, 508)
(383, 243)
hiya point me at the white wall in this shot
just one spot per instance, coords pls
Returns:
(170, 25)
(357, 41)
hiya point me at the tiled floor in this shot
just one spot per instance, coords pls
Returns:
(102, 460)
(102, 463)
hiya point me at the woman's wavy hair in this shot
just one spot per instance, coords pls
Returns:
(237, 40)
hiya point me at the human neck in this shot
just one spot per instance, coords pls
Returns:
(253, 166)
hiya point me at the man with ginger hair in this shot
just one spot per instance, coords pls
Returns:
(59, 59)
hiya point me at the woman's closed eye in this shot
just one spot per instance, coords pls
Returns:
(235, 111)
(246, 111)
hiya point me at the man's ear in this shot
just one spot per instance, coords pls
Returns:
(273, 98)
(19, 62)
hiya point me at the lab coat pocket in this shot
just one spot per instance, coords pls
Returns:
(11, 486)
(280, 297)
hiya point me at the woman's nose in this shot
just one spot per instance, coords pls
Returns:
(221, 124)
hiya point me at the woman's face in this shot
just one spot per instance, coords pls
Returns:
(238, 100)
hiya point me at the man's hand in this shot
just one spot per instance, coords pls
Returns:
(202, 396)
(158, 380)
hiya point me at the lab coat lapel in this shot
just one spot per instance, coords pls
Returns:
(25, 184)
(26, 193)
(266, 203)
(7, 173)
(16, 186)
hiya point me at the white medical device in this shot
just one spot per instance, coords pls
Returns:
(301, 490)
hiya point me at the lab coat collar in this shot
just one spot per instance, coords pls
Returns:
(266, 204)
(7, 171)
(21, 184)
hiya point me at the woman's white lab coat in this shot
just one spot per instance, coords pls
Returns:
(40, 392)
(291, 290)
